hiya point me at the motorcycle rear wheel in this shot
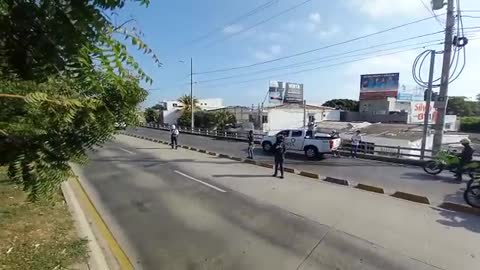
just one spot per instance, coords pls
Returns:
(433, 167)
(472, 196)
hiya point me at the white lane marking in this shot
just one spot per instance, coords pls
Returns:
(200, 181)
(126, 151)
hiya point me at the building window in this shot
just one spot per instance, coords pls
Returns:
(311, 118)
(174, 105)
(264, 118)
(448, 125)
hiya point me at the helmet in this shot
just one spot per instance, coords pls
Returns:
(465, 141)
(173, 126)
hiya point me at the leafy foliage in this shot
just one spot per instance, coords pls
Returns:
(343, 104)
(152, 115)
(462, 107)
(470, 124)
(65, 79)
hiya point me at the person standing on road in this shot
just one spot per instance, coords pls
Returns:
(251, 144)
(174, 137)
(465, 157)
(334, 134)
(279, 154)
(356, 140)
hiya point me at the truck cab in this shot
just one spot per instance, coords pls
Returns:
(312, 144)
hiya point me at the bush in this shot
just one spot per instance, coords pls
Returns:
(470, 124)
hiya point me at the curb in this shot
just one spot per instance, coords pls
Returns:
(398, 194)
(370, 188)
(336, 181)
(96, 258)
(411, 197)
(309, 175)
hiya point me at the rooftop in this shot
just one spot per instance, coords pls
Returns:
(299, 106)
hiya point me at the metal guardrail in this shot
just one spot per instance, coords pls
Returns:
(365, 148)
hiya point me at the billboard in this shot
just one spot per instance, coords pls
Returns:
(293, 93)
(417, 112)
(275, 92)
(378, 86)
(417, 94)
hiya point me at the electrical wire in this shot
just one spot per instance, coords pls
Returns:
(324, 59)
(236, 20)
(433, 13)
(318, 68)
(260, 22)
(317, 49)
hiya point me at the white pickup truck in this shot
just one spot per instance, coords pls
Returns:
(304, 140)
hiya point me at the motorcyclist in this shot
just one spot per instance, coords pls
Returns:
(465, 157)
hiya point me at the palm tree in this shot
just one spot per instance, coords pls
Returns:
(187, 104)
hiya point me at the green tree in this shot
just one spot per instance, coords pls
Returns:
(187, 103)
(343, 104)
(151, 115)
(224, 118)
(462, 107)
(65, 79)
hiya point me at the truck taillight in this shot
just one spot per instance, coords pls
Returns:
(331, 144)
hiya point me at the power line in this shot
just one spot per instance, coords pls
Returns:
(261, 22)
(317, 49)
(432, 12)
(320, 67)
(236, 20)
(324, 59)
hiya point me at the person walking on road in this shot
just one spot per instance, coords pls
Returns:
(465, 157)
(174, 137)
(279, 154)
(251, 144)
(356, 140)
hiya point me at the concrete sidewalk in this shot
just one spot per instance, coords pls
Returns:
(435, 237)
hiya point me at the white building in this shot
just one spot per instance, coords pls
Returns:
(289, 116)
(173, 108)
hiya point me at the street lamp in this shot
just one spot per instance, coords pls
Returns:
(192, 124)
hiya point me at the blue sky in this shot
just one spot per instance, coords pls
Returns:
(170, 26)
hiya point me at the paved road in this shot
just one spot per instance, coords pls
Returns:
(187, 210)
(392, 177)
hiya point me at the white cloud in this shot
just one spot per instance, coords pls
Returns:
(387, 8)
(231, 29)
(269, 53)
(334, 29)
(314, 17)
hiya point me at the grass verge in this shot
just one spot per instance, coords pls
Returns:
(38, 235)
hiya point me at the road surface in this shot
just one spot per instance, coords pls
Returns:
(179, 209)
(392, 177)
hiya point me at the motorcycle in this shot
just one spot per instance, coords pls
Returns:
(472, 194)
(448, 160)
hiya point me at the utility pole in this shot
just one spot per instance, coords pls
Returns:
(427, 109)
(192, 125)
(441, 102)
(304, 113)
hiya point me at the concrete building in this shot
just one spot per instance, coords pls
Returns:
(173, 108)
(291, 116)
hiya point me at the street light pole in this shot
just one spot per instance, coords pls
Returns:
(191, 94)
(427, 107)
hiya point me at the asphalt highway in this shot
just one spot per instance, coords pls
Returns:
(391, 176)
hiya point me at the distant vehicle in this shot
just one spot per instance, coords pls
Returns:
(120, 125)
(304, 140)
(240, 127)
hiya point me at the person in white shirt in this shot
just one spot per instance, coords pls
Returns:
(174, 137)
(356, 140)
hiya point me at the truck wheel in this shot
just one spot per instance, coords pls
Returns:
(311, 152)
(267, 147)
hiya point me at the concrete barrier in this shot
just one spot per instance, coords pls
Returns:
(336, 181)
(249, 161)
(202, 151)
(186, 147)
(411, 197)
(289, 170)
(193, 149)
(370, 188)
(223, 156)
(212, 153)
(236, 158)
(309, 175)
(265, 165)
(460, 208)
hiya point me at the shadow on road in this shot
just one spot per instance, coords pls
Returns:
(428, 177)
(456, 219)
